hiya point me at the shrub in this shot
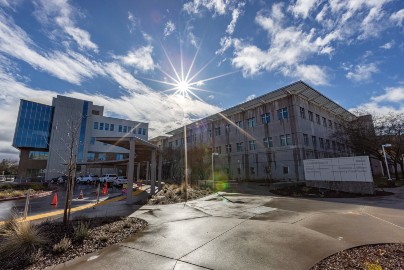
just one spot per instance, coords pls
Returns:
(20, 239)
(81, 231)
(62, 246)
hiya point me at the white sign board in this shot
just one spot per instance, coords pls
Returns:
(356, 169)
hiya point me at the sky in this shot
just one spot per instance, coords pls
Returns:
(171, 62)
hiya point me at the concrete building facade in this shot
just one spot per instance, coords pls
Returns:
(268, 137)
(45, 134)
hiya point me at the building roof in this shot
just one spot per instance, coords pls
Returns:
(297, 88)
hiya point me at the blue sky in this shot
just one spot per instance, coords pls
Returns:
(118, 54)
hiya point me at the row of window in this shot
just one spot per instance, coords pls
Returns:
(121, 128)
(324, 144)
(318, 119)
(91, 156)
(38, 155)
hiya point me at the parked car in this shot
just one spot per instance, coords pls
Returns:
(88, 178)
(120, 181)
(62, 179)
(108, 178)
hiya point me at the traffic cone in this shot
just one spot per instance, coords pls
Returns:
(105, 189)
(55, 199)
(81, 196)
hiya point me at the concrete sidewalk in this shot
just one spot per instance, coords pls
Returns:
(241, 231)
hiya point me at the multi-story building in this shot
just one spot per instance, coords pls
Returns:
(268, 137)
(45, 135)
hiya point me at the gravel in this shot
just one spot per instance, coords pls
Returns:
(172, 193)
(368, 257)
(103, 232)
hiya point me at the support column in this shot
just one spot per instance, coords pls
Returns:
(138, 171)
(153, 172)
(131, 170)
(160, 168)
(147, 172)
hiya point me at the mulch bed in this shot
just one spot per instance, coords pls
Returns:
(103, 232)
(312, 192)
(369, 257)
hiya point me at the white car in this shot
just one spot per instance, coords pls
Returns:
(88, 178)
(120, 181)
(108, 178)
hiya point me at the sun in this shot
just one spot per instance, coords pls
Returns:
(183, 87)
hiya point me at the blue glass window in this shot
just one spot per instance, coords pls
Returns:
(139, 131)
(125, 129)
(33, 126)
(120, 128)
(119, 156)
(101, 126)
(111, 128)
(283, 113)
(144, 131)
(95, 125)
(92, 140)
(90, 156)
(106, 126)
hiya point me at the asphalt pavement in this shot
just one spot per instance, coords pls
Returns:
(43, 204)
(246, 231)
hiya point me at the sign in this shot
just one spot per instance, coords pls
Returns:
(354, 169)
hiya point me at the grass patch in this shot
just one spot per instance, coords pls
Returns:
(81, 231)
(384, 183)
(62, 246)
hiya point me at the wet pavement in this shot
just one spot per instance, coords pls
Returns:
(245, 231)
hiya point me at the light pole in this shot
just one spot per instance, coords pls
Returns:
(385, 159)
(213, 170)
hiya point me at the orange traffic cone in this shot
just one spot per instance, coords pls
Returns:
(105, 189)
(55, 199)
(81, 196)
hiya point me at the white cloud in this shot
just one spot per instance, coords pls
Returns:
(61, 13)
(169, 28)
(140, 58)
(392, 100)
(234, 17)
(250, 97)
(225, 43)
(362, 72)
(217, 6)
(70, 66)
(303, 7)
(398, 17)
(388, 45)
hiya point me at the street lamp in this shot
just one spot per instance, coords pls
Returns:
(385, 159)
(213, 170)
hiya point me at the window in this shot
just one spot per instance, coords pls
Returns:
(90, 156)
(134, 130)
(218, 149)
(94, 112)
(170, 144)
(209, 133)
(286, 139)
(339, 146)
(266, 118)
(144, 131)
(268, 142)
(227, 128)
(318, 119)
(188, 139)
(283, 113)
(251, 122)
(327, 144)
(217, 131)
(306, 139)
(311, 116)
(102, 156)
(182, 141)
(120, 128)
(125, 129)
(302, 113)
(285, 170)
(101, 126)
(139, 131)
(111, 127)
(38, 155)
(252, 145)
(239, 124)
(228, 148)
(324, 122)
(118, 156)
(95, 125)
(252, 170)
(176, 142)
(239, 147)
(329, 123)
(314, 141)
(238, 171)
(92, 140)
(321, 143)
(106, 126)
(129, 129)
